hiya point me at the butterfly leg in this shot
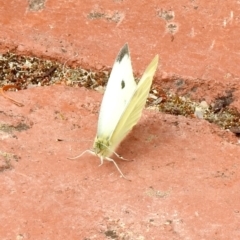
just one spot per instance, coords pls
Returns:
(78, 156)
(101, 161)
(91, 152)
(122, 158)
(111, 160)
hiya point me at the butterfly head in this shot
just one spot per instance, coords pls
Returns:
(102, 146)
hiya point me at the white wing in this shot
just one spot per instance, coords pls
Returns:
(133, 111)
(119, 91)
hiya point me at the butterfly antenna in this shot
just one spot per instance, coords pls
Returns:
(111, 160)
(64, 65)
(71, 140)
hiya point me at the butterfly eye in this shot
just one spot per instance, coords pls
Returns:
(123, 84)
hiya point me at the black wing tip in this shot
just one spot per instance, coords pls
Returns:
(124, 51)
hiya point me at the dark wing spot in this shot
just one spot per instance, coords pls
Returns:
(124, 51)
(123, 84)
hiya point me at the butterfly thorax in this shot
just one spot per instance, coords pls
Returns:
(101, 147)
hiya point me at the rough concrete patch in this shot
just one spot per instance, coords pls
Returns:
(172, 27)
(110, 16)
(116, 229)
(36, 5)
(10, 128)
(167, 15)
(5, 160)
(4, 165)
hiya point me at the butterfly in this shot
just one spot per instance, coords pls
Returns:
(121, 107)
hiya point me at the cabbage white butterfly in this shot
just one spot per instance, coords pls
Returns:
(121, 107)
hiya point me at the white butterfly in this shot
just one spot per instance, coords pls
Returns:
(121, 107)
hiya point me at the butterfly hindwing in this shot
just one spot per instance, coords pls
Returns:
(133, 111)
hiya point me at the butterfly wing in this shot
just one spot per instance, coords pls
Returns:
(120, 89)
(133, 111)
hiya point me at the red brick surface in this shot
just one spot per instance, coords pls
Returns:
(185, 174)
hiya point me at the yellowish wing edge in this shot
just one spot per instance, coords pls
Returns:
(134, 109)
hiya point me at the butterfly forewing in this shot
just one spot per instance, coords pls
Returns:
(119, 91)
(134, 109)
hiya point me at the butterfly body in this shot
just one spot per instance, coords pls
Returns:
(102, 147)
